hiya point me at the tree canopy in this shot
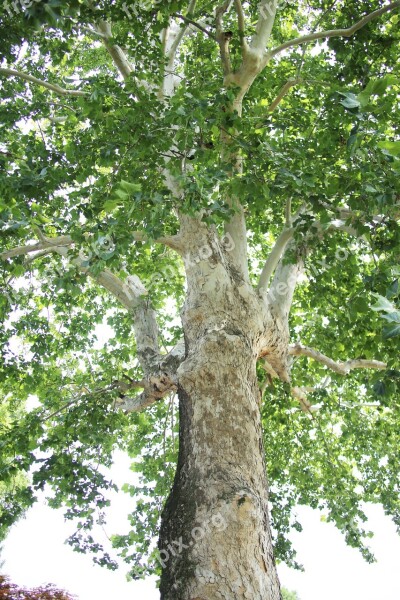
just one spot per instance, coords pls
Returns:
(86, 209)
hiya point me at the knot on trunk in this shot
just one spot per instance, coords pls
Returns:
(278, 363)
(159, 386)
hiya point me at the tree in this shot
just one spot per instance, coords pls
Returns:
(10, 591)
(14, 485)
(238, 162)
(287, 595)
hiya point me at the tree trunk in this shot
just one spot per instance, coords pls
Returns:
(215, 539)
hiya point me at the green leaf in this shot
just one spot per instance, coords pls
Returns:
(393, 317)
(121, 194)
(350, 100)
(130, 188)
(391, 331)
(383, 304)
(111, 205)
(376, 87)
(392, 148)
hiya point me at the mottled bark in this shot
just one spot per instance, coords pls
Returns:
(215, 540)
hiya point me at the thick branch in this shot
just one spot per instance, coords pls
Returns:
(49, 86)
(348, 32)
(342, 368)
(95, 33)
(266, 18)
(237, 230)
(155, 390)
(281, 290)
(172, 37)
(49, 244)
(130, 293)
(117, 54)
(181, 34)
(274, 258)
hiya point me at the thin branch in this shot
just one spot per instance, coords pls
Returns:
(300, 393)
(274, 258)
(49, 86)
(291, 82)
(348, 32)
(315, 26)
(347, 214)
(283, 91)
(241, 23)
(61, 409)
(127, 295)
(288, 212)
(95, 33)
(223, 38)
(342, 368)
(195, 24)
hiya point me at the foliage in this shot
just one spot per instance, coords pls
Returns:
(10, 591)
(11, 488)
(287, 595)
(89, 167)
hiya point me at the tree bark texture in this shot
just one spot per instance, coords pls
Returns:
(215, 539)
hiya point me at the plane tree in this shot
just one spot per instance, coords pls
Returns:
(200, 228)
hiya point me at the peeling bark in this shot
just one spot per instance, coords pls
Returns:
(215, 539)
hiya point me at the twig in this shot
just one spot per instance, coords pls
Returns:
(195, 24)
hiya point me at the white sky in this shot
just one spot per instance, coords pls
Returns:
(34, 554)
